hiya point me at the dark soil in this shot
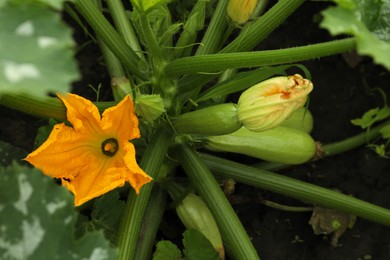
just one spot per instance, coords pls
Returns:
(340, 94)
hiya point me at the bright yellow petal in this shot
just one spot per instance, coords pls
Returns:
(136, 177)
(81, 113)
(65, 153)
(120, 121)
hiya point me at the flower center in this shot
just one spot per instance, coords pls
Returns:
(110, 147)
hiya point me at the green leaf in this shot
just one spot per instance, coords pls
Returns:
(197, 246)
(379, 149)
(36, 51)
(9, 153)
(385, 131)
(372, 116)
(106, 214)
(37, 220)
(44, 133)
(150, 107)
(166, 250)
(145, 5)
(56, 4)
(368, 21)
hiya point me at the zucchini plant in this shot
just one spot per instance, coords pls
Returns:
(187, 89)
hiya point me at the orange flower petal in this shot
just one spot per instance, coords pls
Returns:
(81, 113)
(104, 176)
(65, 153)
(76, 155)
(120, 120)
(138, 177)
(98, 178)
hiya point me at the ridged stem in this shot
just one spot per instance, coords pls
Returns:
(150, 223)
(123, 25)
(290, 187)
(111, 37)
(136, 205)
(46, 107)
(259, 29)
(248, 38)
(219, 62)
(233, 233)
(211, 40)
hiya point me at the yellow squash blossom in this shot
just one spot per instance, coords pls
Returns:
(270, 102)
(94, 156)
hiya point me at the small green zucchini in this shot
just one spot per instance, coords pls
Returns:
(213, 120)
(280, 144)
(301, 119)
(194, 213)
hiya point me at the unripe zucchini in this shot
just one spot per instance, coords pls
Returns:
(280, 144)
(301, 119)
(194, 213)
(214, 120)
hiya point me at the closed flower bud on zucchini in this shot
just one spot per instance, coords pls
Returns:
(301, 119)
(270, 102)
(239, 11)
(280, 144)
(214, 120)
(194, 213)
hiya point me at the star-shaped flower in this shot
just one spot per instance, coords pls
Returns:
(94, 156)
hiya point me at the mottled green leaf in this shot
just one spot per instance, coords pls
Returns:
(56, 4)
(166, 250)
(36, 50)
(37, 220)
(368, 21)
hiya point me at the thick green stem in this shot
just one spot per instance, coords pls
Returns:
(194, 23)
(134, 213)
(220, 62)
(248, 39)
(113, 64)
(297, 189)
(233, 233)
(47, 107)
(153, 46)
(258, 30)
(211, 41)
(111, 37)
(150, 224)
(122, 23)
